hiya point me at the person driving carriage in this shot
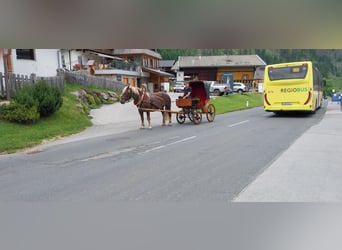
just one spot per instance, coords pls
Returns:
(187, 91)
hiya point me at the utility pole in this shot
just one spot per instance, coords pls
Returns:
(8, 70)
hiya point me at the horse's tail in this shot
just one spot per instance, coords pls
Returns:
(167, 115)
(168, 102)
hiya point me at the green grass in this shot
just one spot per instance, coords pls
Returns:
(69, 119)
(230, 103)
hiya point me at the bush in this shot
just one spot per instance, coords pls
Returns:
(97, 100)
(91, 99)
(20, 113)
(85, 108)
(25, 96)
(49, 98)
(3, 111)
(31, 102)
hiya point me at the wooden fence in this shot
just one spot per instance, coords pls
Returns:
(95, 81)
(9, 83)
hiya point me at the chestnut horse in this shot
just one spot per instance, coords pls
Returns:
(146, 102)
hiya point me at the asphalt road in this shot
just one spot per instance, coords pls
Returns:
(206, 162)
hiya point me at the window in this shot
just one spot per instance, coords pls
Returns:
(25, 54)
(290, 72)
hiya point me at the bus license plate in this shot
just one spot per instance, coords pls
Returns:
(286, 103)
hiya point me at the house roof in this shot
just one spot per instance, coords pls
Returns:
(104, 55)
(157, 72)
(259, 73)
(136, 51)
(166, 63)
(218, 61)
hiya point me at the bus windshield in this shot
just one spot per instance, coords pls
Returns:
(291, 72)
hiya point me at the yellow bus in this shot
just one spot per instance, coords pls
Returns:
(293, 86)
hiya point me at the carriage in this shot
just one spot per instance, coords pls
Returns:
(198, 104)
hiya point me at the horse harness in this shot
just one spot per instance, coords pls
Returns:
(147, 99)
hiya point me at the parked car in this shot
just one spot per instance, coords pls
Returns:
(218, 88)
(179, 87)
(239, 87)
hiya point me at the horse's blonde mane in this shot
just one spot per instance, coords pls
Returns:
(135, 90)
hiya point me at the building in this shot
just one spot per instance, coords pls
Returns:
(147, 62)
(225, 68)
(41, 62)
(21, 66)
(129, 66)
(258, 83)
(166, 65)
(82, 59)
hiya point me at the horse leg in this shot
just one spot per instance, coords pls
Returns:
(168, 107)
(141, 113)
(170, 122)
(163, 115)
(149, 120)
(168, 114)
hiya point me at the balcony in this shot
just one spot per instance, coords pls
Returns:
(118, 68)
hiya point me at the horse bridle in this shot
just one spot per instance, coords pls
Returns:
(126, 93)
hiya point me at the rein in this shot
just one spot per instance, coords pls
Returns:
(141, 99)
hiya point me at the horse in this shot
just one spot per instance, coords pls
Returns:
(146, 102)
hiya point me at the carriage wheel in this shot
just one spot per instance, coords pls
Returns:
(197, 118)
(191, 113)
(211, 113)
(191, 117)
(180, 117)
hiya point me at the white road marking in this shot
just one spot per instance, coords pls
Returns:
(109, 154)
(238, 123)
(169, 144)
(126, 150)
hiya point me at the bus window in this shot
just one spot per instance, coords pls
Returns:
(293, 72)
